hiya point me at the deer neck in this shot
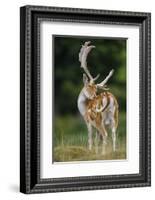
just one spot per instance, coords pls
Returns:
(82, 102)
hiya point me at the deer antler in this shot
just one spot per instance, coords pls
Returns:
(85, 49)
(102, 84)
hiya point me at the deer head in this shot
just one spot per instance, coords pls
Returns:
(90, 88)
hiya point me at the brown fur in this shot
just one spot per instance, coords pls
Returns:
(94, 117)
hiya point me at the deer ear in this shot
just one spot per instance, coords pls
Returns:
(85, 79)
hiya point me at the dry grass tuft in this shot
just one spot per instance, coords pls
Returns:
(64, 153)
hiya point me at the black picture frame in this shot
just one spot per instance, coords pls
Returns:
(30, 18)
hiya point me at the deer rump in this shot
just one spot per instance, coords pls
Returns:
(102, 111)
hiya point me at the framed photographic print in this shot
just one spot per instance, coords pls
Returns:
(85, 99)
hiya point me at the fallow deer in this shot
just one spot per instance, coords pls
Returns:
(98, 110)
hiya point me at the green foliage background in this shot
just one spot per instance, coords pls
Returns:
(69, 128)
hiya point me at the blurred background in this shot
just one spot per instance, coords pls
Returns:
(69, 131)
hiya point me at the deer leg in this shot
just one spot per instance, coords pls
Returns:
(104, 135)
(104, 143)
(114, 138)
(113, 130)
(96, 142)
(90, 134)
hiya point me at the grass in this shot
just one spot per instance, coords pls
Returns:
(81, 153)
(71, 141)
